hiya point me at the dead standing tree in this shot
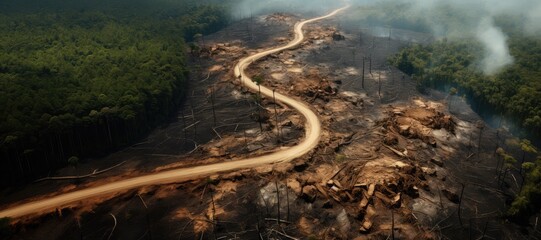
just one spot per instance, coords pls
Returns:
(278, 133)
(498, 130)
(362, 77)
(460, 203)
(370, 64)
(500, 163)
(214, 220)
(183, 122)
(278, 201)
(379, 85)
(212, 101)
(481, 126)
(258, 80)
(194, 123)
(354, 54)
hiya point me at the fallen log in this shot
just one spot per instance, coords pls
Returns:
(96, 172)
(401, 154)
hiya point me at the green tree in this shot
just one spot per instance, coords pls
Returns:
(527, 147)
(528, 201)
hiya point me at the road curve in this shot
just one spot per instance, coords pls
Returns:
(312, 126)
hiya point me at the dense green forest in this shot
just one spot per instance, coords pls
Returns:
(79, 79)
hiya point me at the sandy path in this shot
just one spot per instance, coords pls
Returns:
(312, 128)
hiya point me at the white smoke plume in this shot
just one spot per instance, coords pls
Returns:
(477, 19)
(496, 50)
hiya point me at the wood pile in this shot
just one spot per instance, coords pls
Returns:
(369, 189)
(417, 123)
(279, 18)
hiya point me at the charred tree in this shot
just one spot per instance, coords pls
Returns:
(276, 116)
(370, 64)
(258, 80)
(481, 126)
(379, 84)
(362, 77)
(212, 103)
(460, 203)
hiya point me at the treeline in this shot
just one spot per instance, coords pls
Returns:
(81, 83)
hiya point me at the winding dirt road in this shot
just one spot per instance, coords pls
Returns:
(312, 126)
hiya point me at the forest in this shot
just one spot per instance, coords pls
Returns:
(80, 80)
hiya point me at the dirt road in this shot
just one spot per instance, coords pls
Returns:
(312, 128)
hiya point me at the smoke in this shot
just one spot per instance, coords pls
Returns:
(456, 19)
(533, 25)
(496, 50)
(459, 19)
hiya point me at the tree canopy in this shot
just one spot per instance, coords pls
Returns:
(79, 80)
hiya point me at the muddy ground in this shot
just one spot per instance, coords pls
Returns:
(389, 158)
